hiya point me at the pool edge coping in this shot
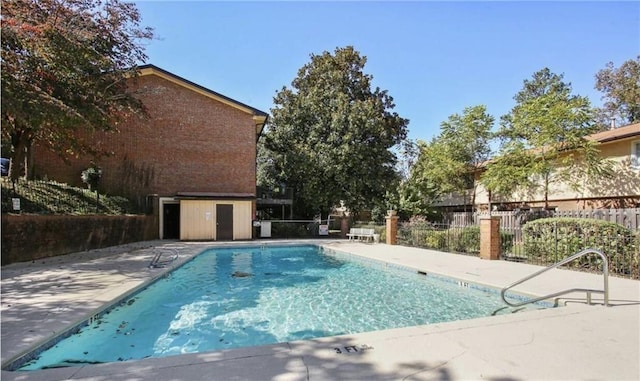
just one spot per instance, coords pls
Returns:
(15, 362)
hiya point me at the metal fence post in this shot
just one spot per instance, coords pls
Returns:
(555, 238)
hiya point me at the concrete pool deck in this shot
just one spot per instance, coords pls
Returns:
(41, 299)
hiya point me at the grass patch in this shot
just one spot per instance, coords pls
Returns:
(50, 197)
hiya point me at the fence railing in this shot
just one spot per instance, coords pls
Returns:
(292, 229)
(623, 250)
(629, 217)
(444, 237)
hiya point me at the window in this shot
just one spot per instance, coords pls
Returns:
(635, 154)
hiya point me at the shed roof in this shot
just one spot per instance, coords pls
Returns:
(214, 196)
(259, 117)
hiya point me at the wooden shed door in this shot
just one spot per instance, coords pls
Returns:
(224, 222)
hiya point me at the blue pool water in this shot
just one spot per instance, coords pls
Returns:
(237, 297)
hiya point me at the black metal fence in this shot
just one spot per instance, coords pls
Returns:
(292, 229)
(444, 237)
(629, 217)
(622, 247)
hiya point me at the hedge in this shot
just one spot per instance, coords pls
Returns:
(550, 240)
(461, 240)
(292, 230)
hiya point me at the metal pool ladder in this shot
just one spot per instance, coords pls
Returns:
(605, 273)
(157, 260)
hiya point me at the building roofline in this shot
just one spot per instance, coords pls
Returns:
(260, 117)
(619, 133)
(214, 196)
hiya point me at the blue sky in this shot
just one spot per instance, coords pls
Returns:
(434, 58)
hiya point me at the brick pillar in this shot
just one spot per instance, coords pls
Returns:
(490, 238)
(392, 230)
(344, 226)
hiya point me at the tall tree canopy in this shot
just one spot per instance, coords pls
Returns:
(468, 137)
(64, 66)
(331, 135)
(448, 163)
(621, 88)
(543, 140)
(423, 188)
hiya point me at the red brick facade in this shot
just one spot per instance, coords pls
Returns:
(194, 140)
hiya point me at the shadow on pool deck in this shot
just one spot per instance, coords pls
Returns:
(573, 342)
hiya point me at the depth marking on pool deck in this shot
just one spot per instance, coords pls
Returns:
(352, 349)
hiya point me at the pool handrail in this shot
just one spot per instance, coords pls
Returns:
(605, 273)
(157, 263)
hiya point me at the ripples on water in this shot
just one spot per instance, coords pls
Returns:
(236, 297)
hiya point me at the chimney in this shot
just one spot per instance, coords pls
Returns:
(613, 124)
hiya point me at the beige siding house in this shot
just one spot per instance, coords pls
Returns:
(620, 145)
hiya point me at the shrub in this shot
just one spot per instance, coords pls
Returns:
(415, 231)
(461, 240)
(289, 230)
(435, 239)
(506, 242)
(91, 176)
(468, 240)
(550, 240)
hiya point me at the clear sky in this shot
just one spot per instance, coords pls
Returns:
(434, 58)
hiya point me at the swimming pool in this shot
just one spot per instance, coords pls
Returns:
(246, 296)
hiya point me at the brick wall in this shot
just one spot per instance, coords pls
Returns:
(189, 143)
(30, 237)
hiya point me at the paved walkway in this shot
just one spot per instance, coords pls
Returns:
(41, 299)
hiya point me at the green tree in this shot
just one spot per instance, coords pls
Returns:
(415, 196)
(543, 140)
(331, 135)
(408, 156)
(64, 70)
(468, 137)
(621, 88)
(267, 175)
(508, 173)
(420, 191)
(447, 165)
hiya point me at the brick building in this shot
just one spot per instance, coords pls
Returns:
(193, 158)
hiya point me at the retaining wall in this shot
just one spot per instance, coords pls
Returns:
(30, 237)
